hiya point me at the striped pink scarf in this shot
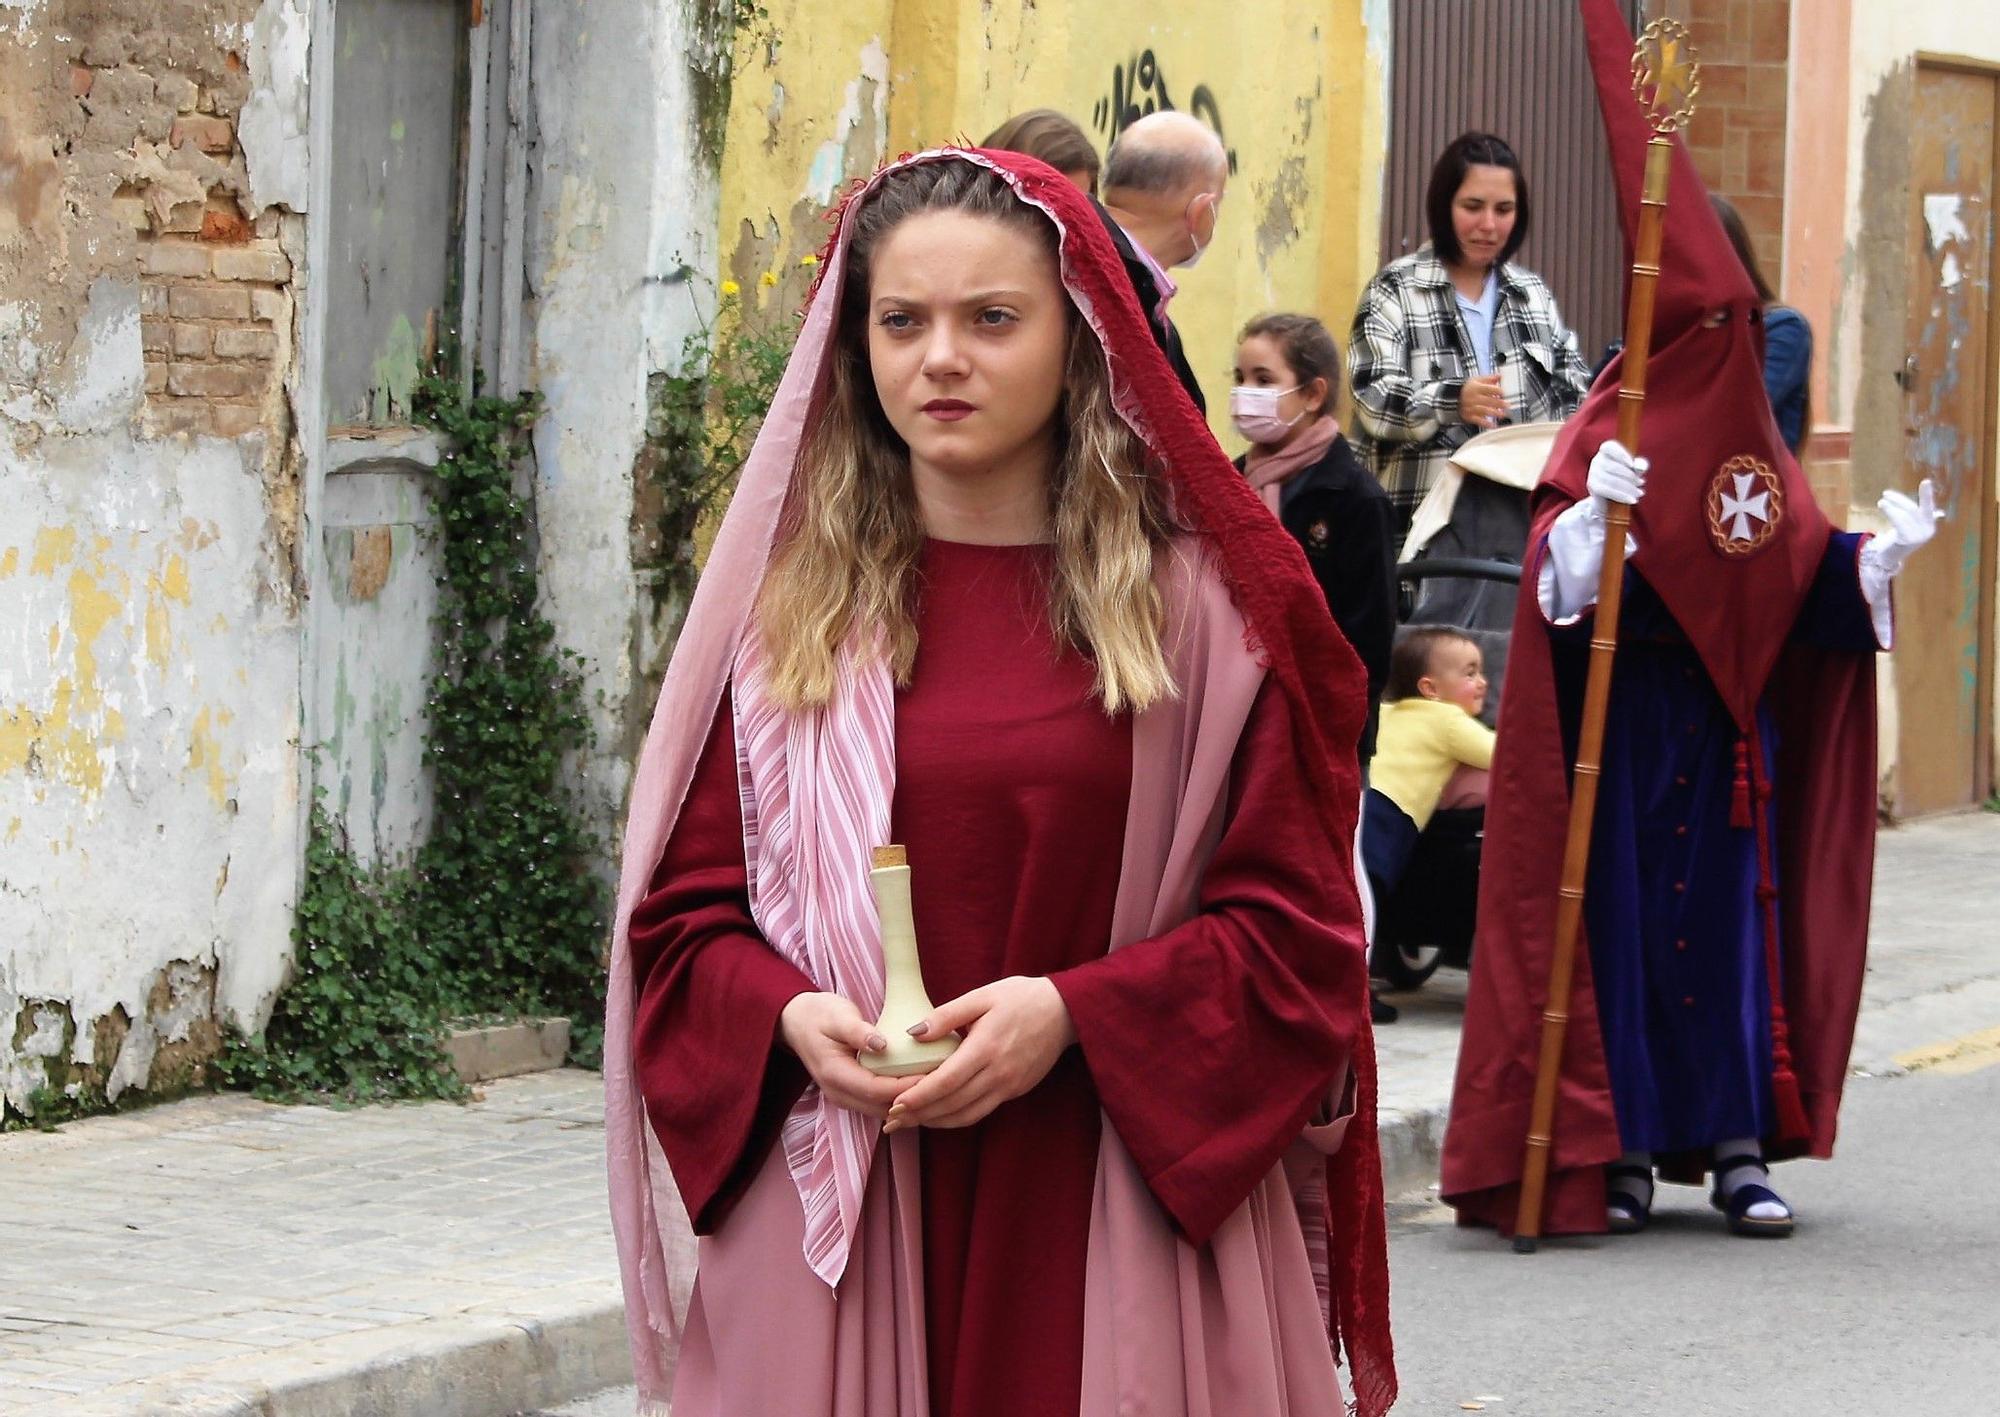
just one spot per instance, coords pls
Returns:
(816, 789)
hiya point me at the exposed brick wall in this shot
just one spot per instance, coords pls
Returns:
(215, 293)
(1738, 144)
(210, 317)
(1738, 135)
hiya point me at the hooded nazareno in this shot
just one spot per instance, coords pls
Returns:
(1732, 546)
(1190, 1321)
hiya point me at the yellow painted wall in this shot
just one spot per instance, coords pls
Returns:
(1294, 86)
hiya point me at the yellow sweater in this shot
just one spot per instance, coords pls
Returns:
(1421, 743)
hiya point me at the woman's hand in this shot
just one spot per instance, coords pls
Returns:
(828, 1033)
(1481, 402)
(1014, 1029)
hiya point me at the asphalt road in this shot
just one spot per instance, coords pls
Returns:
(1887, 1300)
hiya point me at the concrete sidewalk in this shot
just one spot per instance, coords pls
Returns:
(220, 1257)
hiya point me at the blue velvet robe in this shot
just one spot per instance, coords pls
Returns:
(1676, 936)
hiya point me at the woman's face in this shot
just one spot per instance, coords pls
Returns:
(1260, 364)
(968, 337)
(1482, 214)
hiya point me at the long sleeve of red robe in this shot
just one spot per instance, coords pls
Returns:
(1211, 1046)
(1207, 1047)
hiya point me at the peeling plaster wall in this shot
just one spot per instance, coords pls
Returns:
(149, 644)
(1298, 96)
(1867, 342)
(1884, 44)
(623, 199)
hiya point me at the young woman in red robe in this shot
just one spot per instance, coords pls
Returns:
(989, 589)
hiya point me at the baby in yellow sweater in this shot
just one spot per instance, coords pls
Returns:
(1431, 740)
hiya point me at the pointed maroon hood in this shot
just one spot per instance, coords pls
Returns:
(1728, 532)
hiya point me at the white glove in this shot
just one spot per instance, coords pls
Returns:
(1911, 524)
(1616, 476)
(1568, 583)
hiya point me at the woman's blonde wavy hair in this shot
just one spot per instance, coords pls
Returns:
(845, 565)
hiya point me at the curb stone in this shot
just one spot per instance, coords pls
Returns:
(495, 1366)
(465, 1367)
(1412, 1140)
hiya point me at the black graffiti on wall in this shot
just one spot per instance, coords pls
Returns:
(1139, 87)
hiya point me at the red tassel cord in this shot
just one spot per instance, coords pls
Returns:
(1786, 1096)
(1739, 792)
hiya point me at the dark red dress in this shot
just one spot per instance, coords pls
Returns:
(1011, 796)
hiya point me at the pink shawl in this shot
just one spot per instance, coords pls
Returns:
(1269, 469)
(1170, 1328)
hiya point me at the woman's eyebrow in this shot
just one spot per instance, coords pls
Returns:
(977, 297)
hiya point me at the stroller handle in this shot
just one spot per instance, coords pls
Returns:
(1461, 568)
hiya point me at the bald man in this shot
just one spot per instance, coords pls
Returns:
(1163, 185)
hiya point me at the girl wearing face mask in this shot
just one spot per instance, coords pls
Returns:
(1286, 381)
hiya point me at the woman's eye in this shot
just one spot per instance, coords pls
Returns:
(994, 315)
(896, 320)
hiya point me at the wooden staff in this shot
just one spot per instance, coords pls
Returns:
(1664, 74)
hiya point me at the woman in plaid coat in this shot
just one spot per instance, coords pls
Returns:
(1454, 338)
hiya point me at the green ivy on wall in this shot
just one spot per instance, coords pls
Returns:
(500, 913)
(703, 421)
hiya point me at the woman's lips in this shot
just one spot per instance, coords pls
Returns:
(948, 410)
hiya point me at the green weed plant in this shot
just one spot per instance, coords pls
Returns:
(500, 914)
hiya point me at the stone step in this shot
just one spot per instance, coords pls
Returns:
(483, 1052)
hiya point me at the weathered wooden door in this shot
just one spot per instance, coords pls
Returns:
(1944, 652)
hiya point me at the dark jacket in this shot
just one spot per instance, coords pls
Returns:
(1164, 334)
(1787, 370)
(1339, 514)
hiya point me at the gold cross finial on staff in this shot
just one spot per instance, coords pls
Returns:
(1665, 75)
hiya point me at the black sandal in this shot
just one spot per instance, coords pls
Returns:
(1625, 1212)
(1736, 1208)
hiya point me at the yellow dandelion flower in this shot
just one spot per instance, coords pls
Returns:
(809, 259)
(769, 278)
(730, 287)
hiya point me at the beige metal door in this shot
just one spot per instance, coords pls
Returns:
(1944, 601)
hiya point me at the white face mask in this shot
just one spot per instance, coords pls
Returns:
(1254, 411)
(1200, 246)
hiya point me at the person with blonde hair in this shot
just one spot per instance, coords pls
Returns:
(987, 590)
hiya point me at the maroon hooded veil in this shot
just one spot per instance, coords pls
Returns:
(1261, 612)
(1730, 539)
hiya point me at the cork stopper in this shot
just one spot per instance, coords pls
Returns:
(890, 856)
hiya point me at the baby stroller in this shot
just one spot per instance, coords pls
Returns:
(1461, 566)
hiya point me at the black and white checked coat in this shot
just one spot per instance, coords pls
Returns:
(1409, 354)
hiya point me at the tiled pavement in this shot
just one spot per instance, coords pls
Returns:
(221, 1228)
(218, 1257)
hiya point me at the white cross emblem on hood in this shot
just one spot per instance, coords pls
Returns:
(1739, 510)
